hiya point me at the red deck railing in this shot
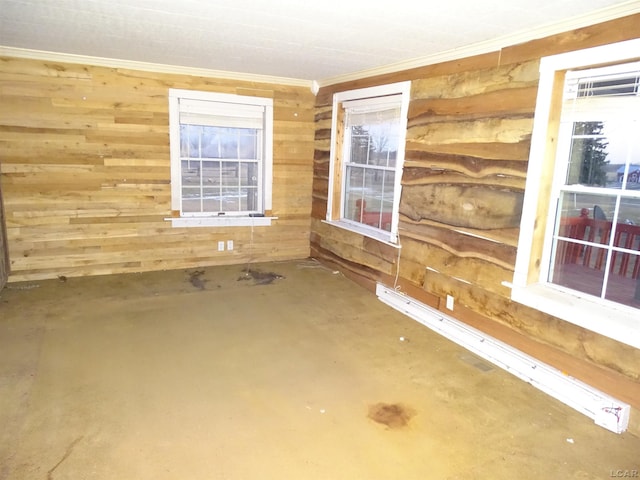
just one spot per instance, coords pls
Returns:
(599, 232)
(373, 219)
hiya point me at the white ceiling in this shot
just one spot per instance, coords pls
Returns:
(300, 39)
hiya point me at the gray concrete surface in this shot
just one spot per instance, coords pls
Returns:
(216, 374)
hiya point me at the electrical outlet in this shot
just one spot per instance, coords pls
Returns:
(450, 302)
(229, 244)
(221, 246)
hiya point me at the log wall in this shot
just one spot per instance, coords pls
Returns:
(467, 148)
(86, 172)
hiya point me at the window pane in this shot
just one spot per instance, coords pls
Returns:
(624, 279)
(585, 205)
(369, 196)
(210, 173)
(191, 193)
(191, 205)
(629, 214)
(250, 199)
(379, 157)
(384, 144)
(373, 188)
(393, 155)
(584, 218)
(360, 145)
(624, 276)
(199, 177)
(625, 154)
(248, 144)
(184, 140)
(229, 174)
(228, 143)
(209, 142)
(231, 200)
(211, 200)
(581, 264)
(375, 144)
(575, 267)
(387, 199)
(190, 172)
(218, 142)
(354, 193)
(194, 134)
(249, 174)
(588, 157)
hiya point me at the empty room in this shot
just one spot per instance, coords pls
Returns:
(319, 240)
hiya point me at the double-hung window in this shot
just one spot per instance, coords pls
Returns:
(221, 157)
(367, 153)
(579, 249)
(596, 243)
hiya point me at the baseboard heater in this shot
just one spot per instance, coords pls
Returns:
(605, 410)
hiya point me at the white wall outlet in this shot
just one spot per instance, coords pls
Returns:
(450, 302)
(229, 244)
(221, 246)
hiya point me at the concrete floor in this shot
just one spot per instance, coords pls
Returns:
(217, 375)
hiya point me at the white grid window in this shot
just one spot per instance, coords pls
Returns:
(367, 153)
(596, 241)
(221, 154)
(582, 264)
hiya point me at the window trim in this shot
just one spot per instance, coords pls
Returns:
(335, 195)
(204, 219)
(529, 285)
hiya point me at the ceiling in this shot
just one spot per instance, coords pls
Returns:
(298, 39)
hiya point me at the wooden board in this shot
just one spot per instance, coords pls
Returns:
(4, 249)
(483, 207)
(86, 172)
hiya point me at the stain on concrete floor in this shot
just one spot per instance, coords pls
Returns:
(196, 280)
(259, 277)
(393, 415)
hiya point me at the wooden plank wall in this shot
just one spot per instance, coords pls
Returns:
(4, 249)
(468, 141)
(86, 172)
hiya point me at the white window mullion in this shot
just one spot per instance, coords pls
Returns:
(610, 246)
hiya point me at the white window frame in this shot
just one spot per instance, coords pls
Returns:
(228, 103)
(530, 286)
(336, 169)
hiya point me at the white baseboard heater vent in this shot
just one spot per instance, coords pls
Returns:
(605, 410)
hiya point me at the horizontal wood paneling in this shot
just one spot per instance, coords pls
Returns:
(4, 251)
(86, 172)
(468, 141)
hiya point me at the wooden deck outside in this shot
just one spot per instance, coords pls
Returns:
(580, 265)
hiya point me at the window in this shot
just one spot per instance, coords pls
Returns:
(367, 153)
(221, 157)
(596, 241)
(579, 247)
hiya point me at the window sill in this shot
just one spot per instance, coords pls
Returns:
(370, 232)
(221, 221)
(621, 324)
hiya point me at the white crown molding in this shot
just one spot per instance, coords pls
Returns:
(598, 16)
(149, 67)
(610, 13)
